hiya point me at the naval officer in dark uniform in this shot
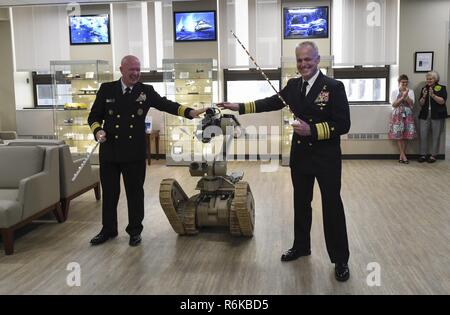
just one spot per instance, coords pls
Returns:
(320, 106)
(117, 119)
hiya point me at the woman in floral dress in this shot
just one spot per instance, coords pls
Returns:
(401, 124)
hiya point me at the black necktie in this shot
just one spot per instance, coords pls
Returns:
(303, 90)
(127, 90)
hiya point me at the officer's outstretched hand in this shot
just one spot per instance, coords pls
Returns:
(100, 136)
(301, 127)
(228, 105)
(195, 113)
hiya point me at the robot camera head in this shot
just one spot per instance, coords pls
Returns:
(215, 124)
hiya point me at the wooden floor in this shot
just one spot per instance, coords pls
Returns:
(397, 216)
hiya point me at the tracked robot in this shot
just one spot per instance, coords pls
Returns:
(224, 199)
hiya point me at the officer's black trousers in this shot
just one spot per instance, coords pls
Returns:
(133, 177)
(332, 208)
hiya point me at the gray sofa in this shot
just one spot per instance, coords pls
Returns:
(29, 188)
(7, 135)
(89, 177)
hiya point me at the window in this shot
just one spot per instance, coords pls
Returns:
(44, 95)
(365, 85)
(42, 90)
(238, 91)
(159, 87)
(155, 79)
(238, 83)
(365, 90)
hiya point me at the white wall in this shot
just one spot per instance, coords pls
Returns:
(4, 14)
(32, 122)
(128, 32)
(430, 35)
(195, 50)
(91, 52)
(40, 35)
(372, 119)
(23, 88)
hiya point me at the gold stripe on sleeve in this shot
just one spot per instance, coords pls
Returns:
(327, 130)
(95, 126)
(250, 107)
(320, 131)
(181, 110)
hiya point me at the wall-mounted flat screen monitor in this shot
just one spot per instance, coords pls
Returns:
(305, 22)
(195, 26)
(89, 29)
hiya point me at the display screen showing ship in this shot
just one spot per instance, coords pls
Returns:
(89, 29)
(195, 26)
(311, 22)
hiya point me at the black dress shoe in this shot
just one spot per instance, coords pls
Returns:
(135, 240)
(422, 159)
(102, 237)
(292, 254)
(341, 272)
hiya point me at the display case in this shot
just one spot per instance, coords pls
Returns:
(188, 82)
(289, 71)
(74, 86)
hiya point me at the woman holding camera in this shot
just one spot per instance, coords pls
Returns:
(432, 114)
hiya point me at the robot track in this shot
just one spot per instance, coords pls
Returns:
(179, 209)
(242, 212)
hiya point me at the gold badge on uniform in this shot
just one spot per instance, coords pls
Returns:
(140, 111)
(111, 112)
(110, 100)
(323, 97)
(142, 97)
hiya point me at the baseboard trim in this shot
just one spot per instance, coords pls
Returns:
(384, 156)
(246, 157)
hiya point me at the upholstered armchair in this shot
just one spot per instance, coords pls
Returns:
(29, 188)
(89, 177)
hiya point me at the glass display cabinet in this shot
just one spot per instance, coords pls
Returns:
(188, 82)
(74, 85)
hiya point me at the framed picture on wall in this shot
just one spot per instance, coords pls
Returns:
(423, 61)
(305, 22)
(89, 29)
(194, 26)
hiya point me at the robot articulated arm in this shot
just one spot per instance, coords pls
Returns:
(212, 125)
(215, 124)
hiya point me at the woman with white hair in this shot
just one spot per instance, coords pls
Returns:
(432, 114)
